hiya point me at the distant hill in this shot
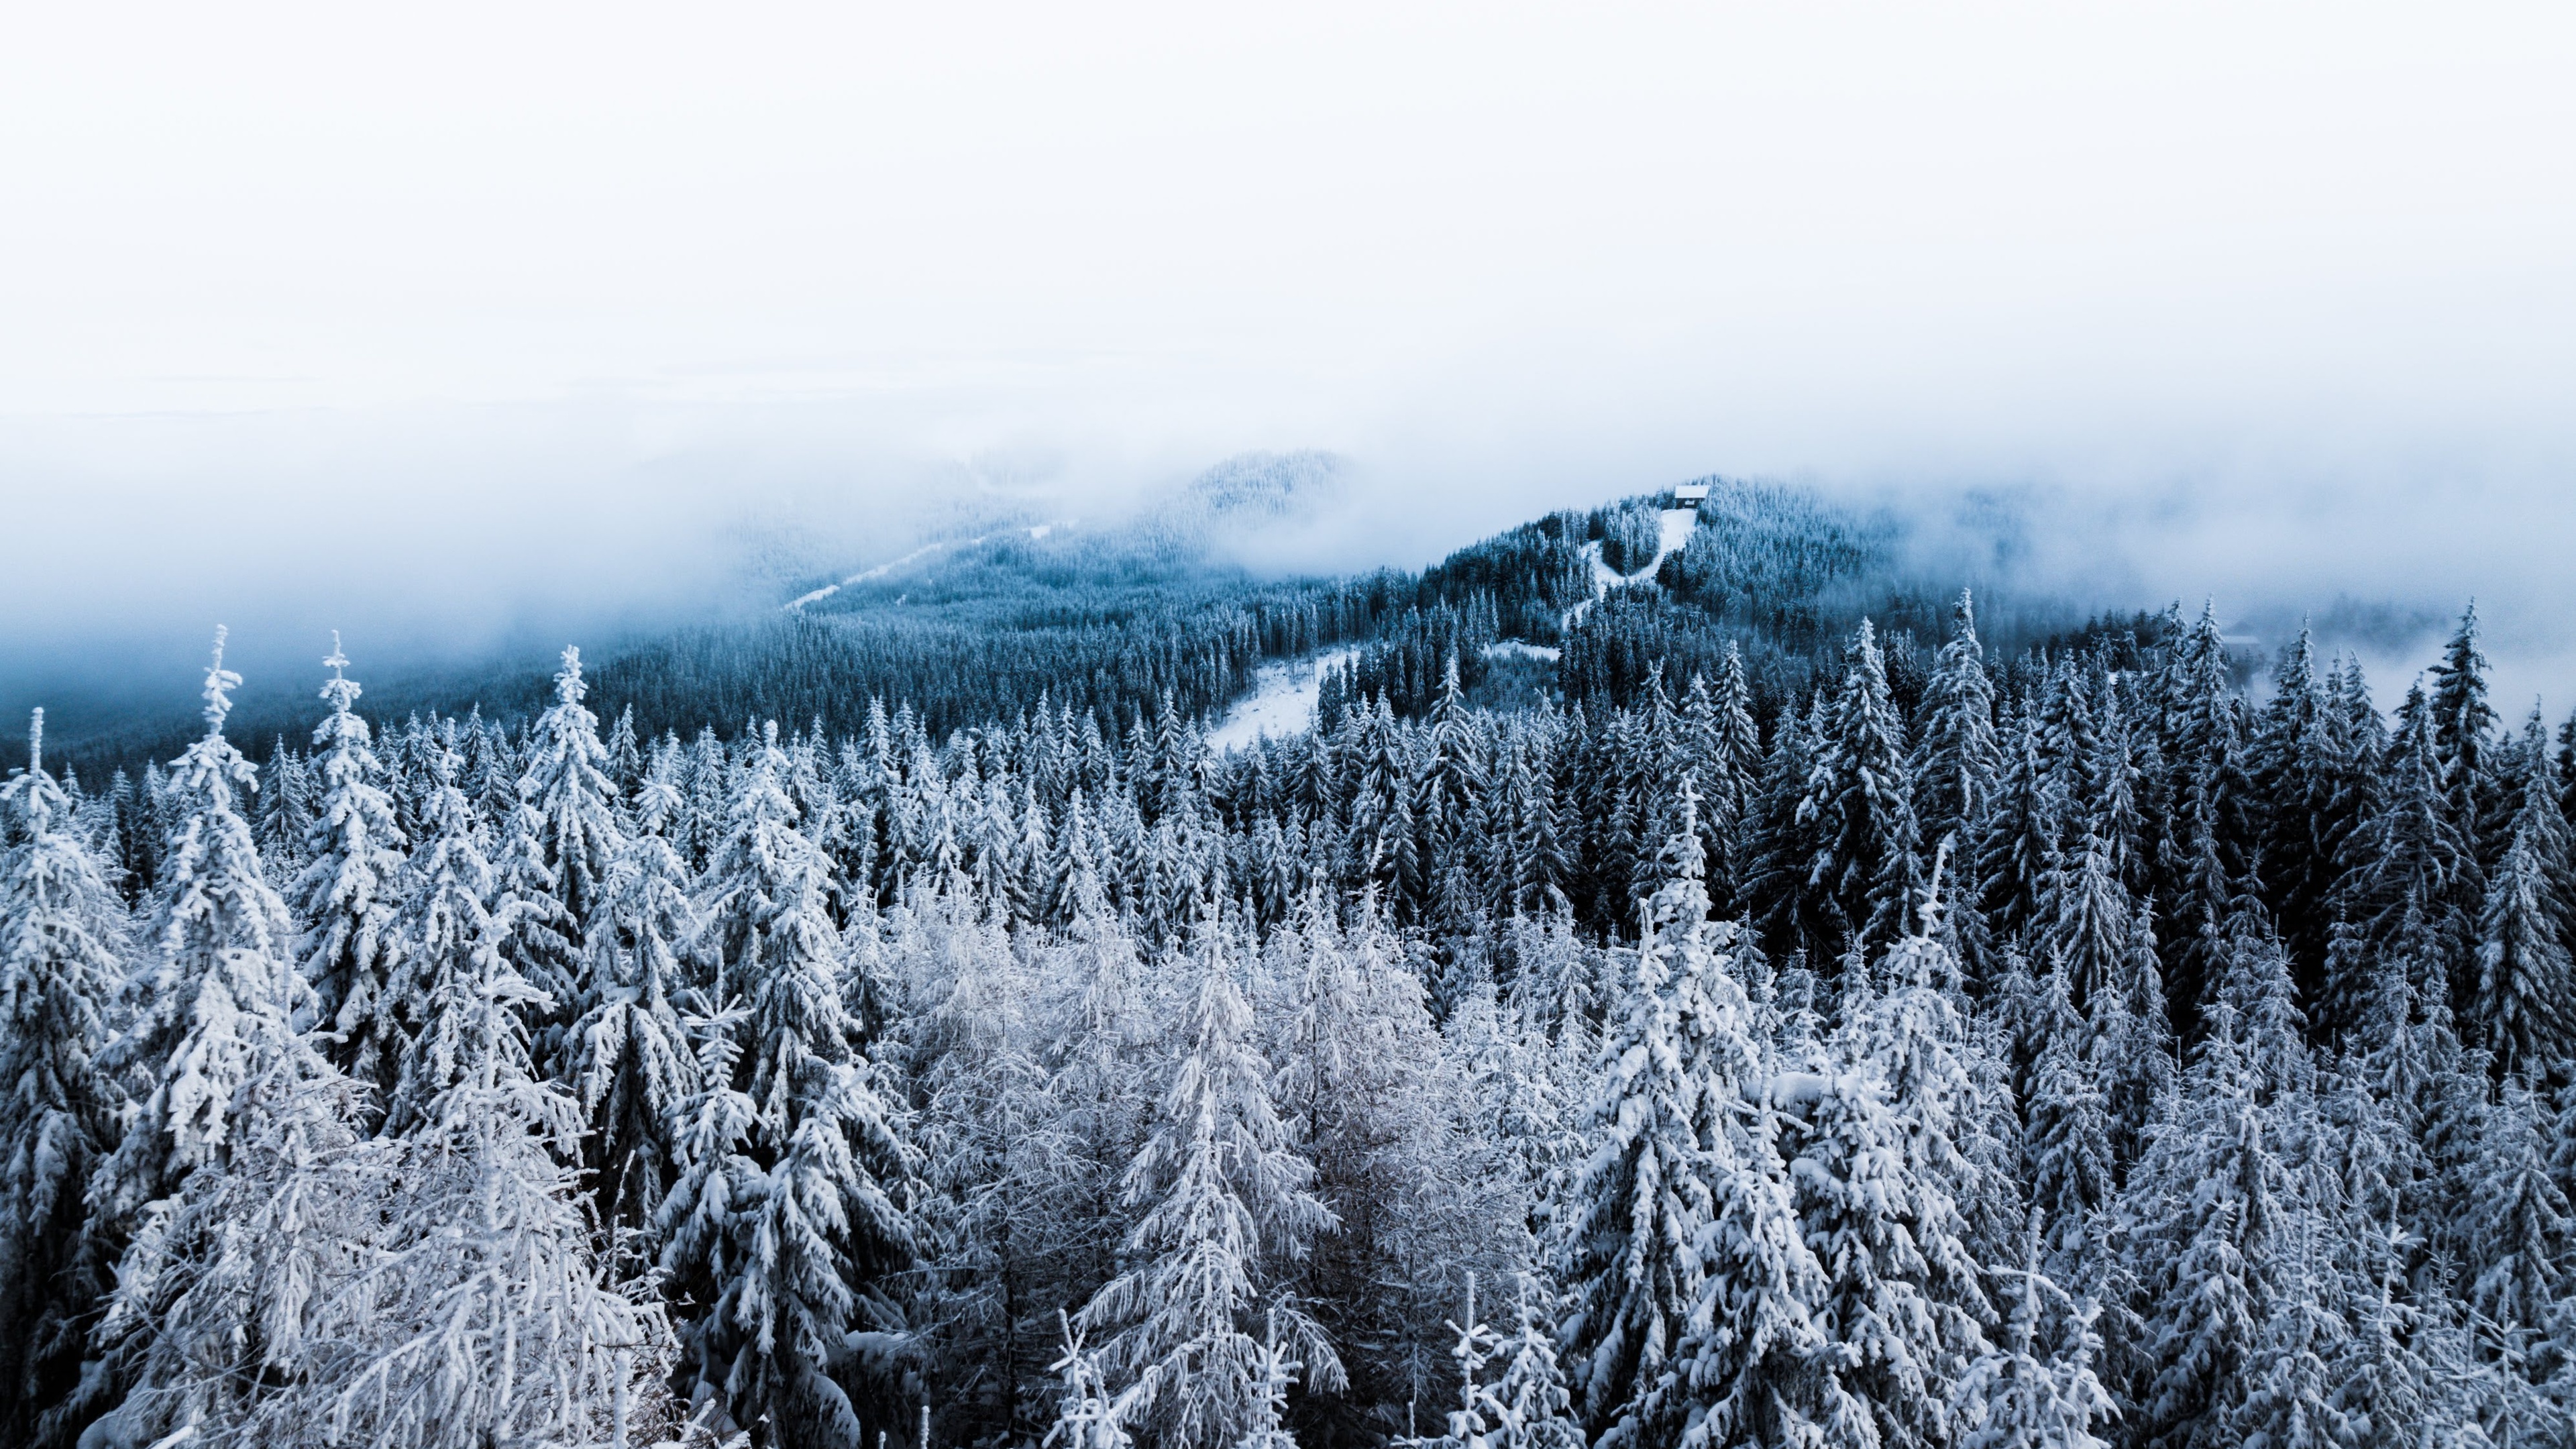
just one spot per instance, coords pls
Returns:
(1011, 605)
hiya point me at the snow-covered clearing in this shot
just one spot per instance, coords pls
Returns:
(1282, 701)
(1522, 649)
(1677, 524)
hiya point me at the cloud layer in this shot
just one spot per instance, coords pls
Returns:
(449, 321)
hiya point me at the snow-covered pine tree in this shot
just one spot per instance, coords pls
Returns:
(447, 897)
(1102, 1100)
(539, 936)
(2090, 933)
(2068, 1149)
(2289, 1399)
(1884, 1379)
(992, 1163)
(1530, 1399)
(217, 997)
(1861, 802)
(632, 1067)
(62, 930)
(2421, 883)
(2133, 1041)
(2462, 732)
(1957, 759)
(1372, 1100)
(1226, 1206)
(2016, 847)
(567, 779)
(1088, 1415)
(2027, 1392)
(1640, 1203)
(2267, 1005)
(625, 755)
(346, 897)
(282, 816)
(1514, 1082)
(1783, 836)
(1881, 1184)
(787, 1225)
(2297, 771)
(484, 1315)
(2526, 980)
(1739, 1364)
(2204, 1209)
(221, 1321)
(239, 1183)
(2209, 825)
(1470, 1425)
(2521, 1225)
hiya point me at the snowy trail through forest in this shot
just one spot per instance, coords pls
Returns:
(1676, 526)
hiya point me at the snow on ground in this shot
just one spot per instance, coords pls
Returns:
(918, 554)
(1282, 701)
(1677, 525)
(1517, 648)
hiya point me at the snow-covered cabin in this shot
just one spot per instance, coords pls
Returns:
(1690, 495)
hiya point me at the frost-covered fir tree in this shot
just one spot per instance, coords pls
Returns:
(2521, 1224)
(2133, 1040)
(2422, 883)
(1957, 759)
(1375, 1103)
(2526, 978)
(1526, 1405)
(1882, 1185)
(447, 896)
(1531, 1403)
(1226, 1208)
(1475, 1418)
(631, 1063)
(1784, 837)
(2068, 1149)
(2093, 917)
(238, 1286)
(1088, 1415)
(1640, 1203)
(237, 1182)
(1861, 803)
(346, 898)
(282, 817)
(2027, 1391)
(216, 994)
(991, 1164)
(787, 1222)
(2205, 1207)
(485, 1315)
(2017, 846)
(1855, 1200)
(61, 931)
(568, 781)
(2290, 1400)
(540, 937)
(1687, 1277)
(2462, 728)
(1517, 1081)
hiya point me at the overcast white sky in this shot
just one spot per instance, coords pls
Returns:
(2261, 274)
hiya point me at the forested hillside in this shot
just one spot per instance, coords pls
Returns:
(1805, 1021)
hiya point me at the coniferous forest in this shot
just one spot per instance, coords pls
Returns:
(1737, 1006)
